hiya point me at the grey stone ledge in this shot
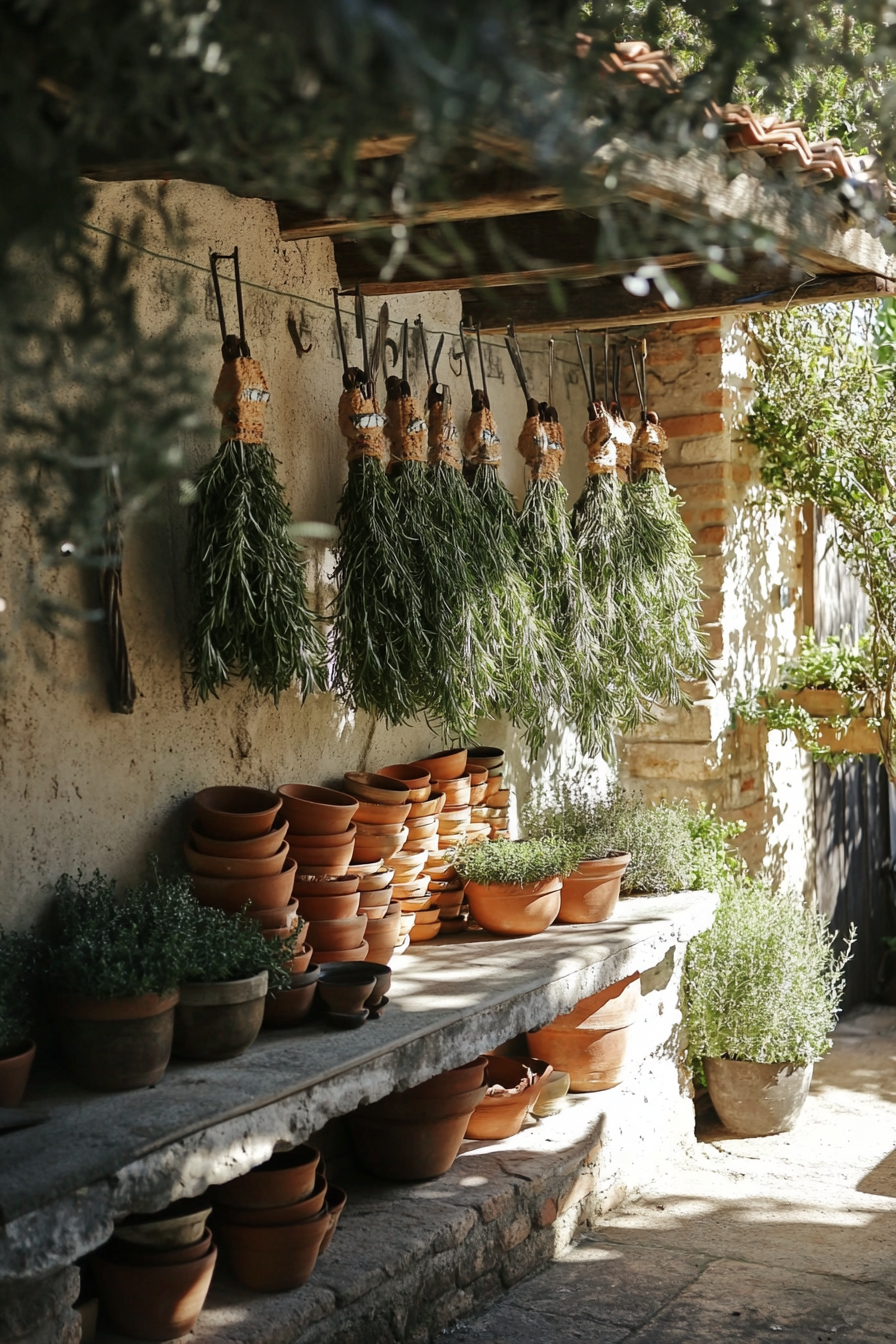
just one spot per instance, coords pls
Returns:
(99, 1156)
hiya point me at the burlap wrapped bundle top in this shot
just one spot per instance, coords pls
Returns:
(360, 420)
(405, 427)
(442, 436)
(242, 396)
(649, 444)
(623, 434)
(597, 437)
(482, 446)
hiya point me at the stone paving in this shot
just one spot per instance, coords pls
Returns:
(745, 1239)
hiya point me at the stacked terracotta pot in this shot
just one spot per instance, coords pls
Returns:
(513, 1089)
(275, 1221)
(419, 833)
(321, 840)
(593, 1043)
(238, 855)
(491, 801)
(154, 1275)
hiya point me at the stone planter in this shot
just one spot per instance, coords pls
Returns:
(753, 1100)
(219, 1020)
(589, 895)
(14, 1070)
(114, 1045)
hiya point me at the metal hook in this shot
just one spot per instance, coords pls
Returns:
(481, 360)
(591, 374)
(606, 368)
(435, 362)
(404, 351)
(295, 335)
(340, 331)
(582, 363)
(419, 323)
(466, 355)
(232, 346)
(550, 370)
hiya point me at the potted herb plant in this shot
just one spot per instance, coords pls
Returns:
(513, 886)
(115, 964)
(764, 985)
(19, 960)
(229, 966)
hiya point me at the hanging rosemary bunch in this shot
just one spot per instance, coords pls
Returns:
(251, 619)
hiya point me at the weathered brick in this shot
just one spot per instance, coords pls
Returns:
(674, 760)
(711, 607)
(534, 1251)
(479, 1254)
(547, 1213)
(693, 426)
(708, 345)
(496, 1205)
(514, 1232)
(741, 472)
(666, 355)
(689, 475)
(716, 397)
(711, 536)
(710, 448)
(581, 1186)
(715, 640)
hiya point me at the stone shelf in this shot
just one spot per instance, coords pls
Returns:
(99, 1156)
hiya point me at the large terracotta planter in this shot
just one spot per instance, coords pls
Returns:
(275, 1259)
(232, 893)
(257, 847)
(219, 1021)
(313, 811)
(444, 764)
(619, 1005)
(114, 1045)
(515, 911)
(235, 813)
(290, 1007)
(416, 1149)
(594, 1060)
(589, 895)
(283, 1179)
(154, 1301)
(14, 1070)
(757, 1099)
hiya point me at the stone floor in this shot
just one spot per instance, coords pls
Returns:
(792, 1235)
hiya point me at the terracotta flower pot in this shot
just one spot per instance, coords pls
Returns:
(410, 1150)
(407, 866)
(358, 953)
(374, 904)
(346, 987)
(424, 933)
(336, 1202)
(306, 885)
(15, 1066)
(619, 1005)
(336, 841)
(235, 813)
(477, 792)
(159, 1302)
(444, 764)
(313, 811)
(407, 891)
(258, 847)
(380, 828)
(590, 894)
(382, 985)
(220, 1020)
(450, 1082)
(283, 1179)
(594, 1060)
(552, 1095)
(332, 859)
(114, 1045)
(360, 870)
(422, 829)
(456, 791)
(298, 1212)
(335, 934)
(314, 908)
(757, 1099)
(513, 910)
(382, 814)
(232, 893)
(302, 960)
(280, 917)
(429, 807)
(382, 936)
(126, 1253)
(493, 787)
(416, 781)
(370, 788)
(488, 758)
(411, 905)
(382, 847)
(513, 1088)
(290, 1007)
(211, 865)
(275, 1259)
(180, 1224)
(376, 881)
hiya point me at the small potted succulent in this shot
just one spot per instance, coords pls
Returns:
(20, 955)
(229, 966)
(115, 963)
(513, 886)
(764, 985)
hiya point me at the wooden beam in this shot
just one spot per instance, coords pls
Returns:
(608, 304)
(296, 224)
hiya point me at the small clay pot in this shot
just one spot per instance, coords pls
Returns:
(235, 813)
(15, 1066)
(232, 893)
(429, 807)
(462, 814)
(408, 891)
(444, 764)
(591, 893)
(382, 814)
(290, 1007)
(383, 984)
(494, 785)
(314, 811)
(334, 859)
(409, 1150)
(345, 988)
(513, 1086)
(283, 1179)
(336, 1201)
(315, 908)
(379, 828)
(336, 841)
(281, 917)
(211, 865)
(358, 953)
(382, 936)
(376, 881)
(180, 1224)
(336, 934)
(512, 910)
(370, 788)
(424, 933)
(259, 847)
(382, 847)
(158, 1302)
(306, 885)
(425, 826)
(275, 1259)
(477, 793)
(219, 1020)
(407, 866)
(456, 791)
(126, 1253)
(416, 781)
(490, 758)
(360, 870)
(302, 960)
(303, 1209)
(114, 1045)
(550, 1099)
(374, 904)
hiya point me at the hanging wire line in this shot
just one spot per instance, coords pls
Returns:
(325, 305)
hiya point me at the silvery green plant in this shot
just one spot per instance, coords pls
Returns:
(517, 861)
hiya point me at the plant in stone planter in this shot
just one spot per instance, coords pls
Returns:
(513, 886)
(20, 955)
(115, 962)
(229, 966)
(764, 985)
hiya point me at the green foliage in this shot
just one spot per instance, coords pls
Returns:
(218, 946)
(764, 983)
(21, 959)
(833, 664)
(112, 946)
(248, 581)
(517, 861)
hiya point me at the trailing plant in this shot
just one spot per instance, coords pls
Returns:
(833, 664)
(517, 861)
(112, 946)
(219, 947)
(21, 960)
(765, 982)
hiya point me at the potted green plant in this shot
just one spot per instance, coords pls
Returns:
(513, 886)
(764, 985)
(19, 960)
(115, 963)
(229, 966)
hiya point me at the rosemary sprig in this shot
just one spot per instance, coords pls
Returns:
(251, 618)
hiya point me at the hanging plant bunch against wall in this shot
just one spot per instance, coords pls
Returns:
(251, 618)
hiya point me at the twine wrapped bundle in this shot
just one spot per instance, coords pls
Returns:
(251, 618)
